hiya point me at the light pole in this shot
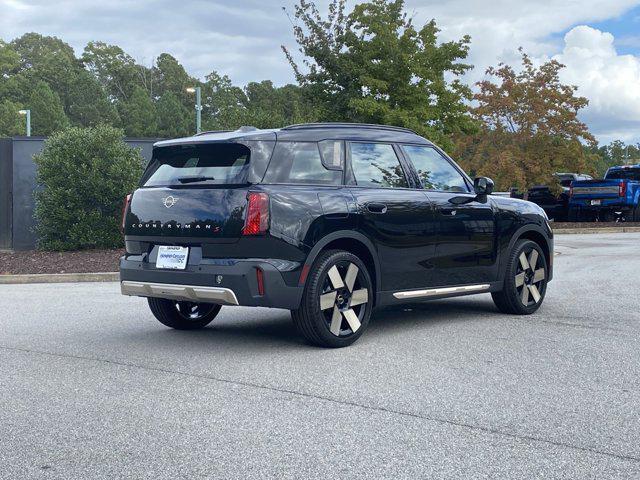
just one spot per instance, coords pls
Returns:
(28, 114)
(197, 90)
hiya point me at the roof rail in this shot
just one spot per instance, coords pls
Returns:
(211, 131)
(301, 126)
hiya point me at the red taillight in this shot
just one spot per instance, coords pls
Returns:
(257, 220)
(260, 280)
(125, 207)
(622, 189)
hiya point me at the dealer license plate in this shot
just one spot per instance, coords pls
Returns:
(596, 202)
(174, 258)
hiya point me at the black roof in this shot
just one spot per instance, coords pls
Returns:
(309, 132)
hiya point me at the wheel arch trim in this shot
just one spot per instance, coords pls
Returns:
(340, 235)
(518, 236)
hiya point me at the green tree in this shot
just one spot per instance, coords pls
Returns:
(89, 103)
(530, 127)
(83, 177)
(47, 114)
(50, 60)
(115, 70)
(268, 106)
(9, 61)
(373, 65)
(138, 114)
(11, 123)
(615, 153)
(174, 120)
(223, 103)
(172, 77)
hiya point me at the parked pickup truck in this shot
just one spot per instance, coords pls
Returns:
(555, 204)
(618, 192)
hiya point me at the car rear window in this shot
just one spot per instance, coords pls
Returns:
(209, 163)
(623, 174)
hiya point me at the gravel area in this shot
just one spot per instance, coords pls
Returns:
(557, 225)
(33, 261)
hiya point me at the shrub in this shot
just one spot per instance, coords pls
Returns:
(83, 176)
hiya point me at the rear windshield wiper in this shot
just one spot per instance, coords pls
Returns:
(194, 179)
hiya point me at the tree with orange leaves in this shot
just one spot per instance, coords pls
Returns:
(529, 127)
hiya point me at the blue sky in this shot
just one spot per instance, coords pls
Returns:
(626, 30)
(598, 40)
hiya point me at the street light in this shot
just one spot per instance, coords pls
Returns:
(28, 114)
(198, 107)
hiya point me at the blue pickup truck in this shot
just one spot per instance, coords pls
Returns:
(617, 194)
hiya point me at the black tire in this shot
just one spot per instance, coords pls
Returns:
(606, 216)
(183, 315)
(635, 215)
(525, 281)
(329, 315)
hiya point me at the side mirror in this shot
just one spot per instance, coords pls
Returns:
(483, 186)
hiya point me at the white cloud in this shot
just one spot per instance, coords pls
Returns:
(610, 81)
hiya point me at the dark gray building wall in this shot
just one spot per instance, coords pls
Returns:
(16, 194)
(6, 187)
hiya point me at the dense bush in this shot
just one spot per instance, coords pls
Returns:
(83, 176)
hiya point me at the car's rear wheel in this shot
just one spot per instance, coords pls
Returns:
(183, 315)
(337, 300)
(606, 216)
(525, 282)
(635, 215)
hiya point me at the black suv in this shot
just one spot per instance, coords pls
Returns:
(328, 221)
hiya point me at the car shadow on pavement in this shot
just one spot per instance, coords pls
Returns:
(427, 314)
(277, 330)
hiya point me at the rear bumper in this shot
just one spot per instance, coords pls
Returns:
(607, 204)
(223, 281)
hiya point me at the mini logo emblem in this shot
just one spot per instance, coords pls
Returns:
(169, 201)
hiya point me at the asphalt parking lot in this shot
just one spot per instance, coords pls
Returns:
(91, 386)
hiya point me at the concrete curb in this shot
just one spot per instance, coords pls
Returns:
(60, 278)
(564, 231)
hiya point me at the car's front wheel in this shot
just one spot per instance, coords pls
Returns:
(525, 282)
(183, 315)
(337, 300)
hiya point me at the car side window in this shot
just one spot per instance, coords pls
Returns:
(300, 163)
(376, 165)
(434, 171)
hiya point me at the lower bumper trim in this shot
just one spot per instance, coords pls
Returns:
(222, 296)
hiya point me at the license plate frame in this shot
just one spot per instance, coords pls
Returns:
(172, 257)
(595, 202)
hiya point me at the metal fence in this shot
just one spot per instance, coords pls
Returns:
(18, 182)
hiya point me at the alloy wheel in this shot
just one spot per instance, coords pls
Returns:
(193, 311)
(530, 278)
(344, 299)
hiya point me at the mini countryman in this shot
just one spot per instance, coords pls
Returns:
(328, 221)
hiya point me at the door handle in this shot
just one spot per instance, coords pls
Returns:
(449, 212)
(377, 208)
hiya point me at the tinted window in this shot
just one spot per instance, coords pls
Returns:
(225, 163)
(300, 162)
(623, 173)
(435, 171)
(376, 165)
(332, 154)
